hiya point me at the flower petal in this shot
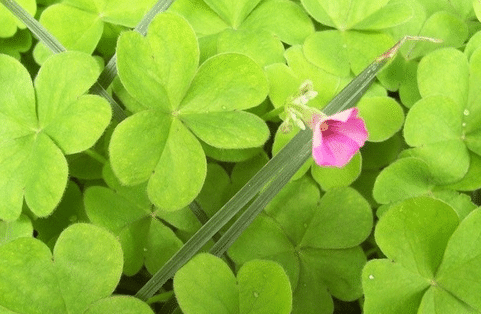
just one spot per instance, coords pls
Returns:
(345, 134)
(353, 128)
(344, 116)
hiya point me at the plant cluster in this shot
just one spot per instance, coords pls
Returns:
(160, 162)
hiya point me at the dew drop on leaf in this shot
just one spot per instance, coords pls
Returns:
(466, 112)
(371, 277)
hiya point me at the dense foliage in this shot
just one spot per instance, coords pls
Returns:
(116, 152)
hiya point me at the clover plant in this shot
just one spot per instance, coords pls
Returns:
(161, 162)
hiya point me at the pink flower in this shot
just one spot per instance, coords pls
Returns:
(337, 138)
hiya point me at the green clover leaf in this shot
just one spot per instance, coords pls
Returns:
(431, 260)
(10, 23)
(357, 39)
(127, 213)
(315, 240)
(85, 267)
(39, 126)
(206, 285)
(448, 117)
(253, 27)
(90, 18)
(158, 144)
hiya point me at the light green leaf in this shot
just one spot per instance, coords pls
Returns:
(263, 288)
(120, 304)
(407, 177)
(32, 151)
(203, 19)
(304, 237)
(206, 285)
(311, 296)
(472, 179)
(100, 271)
(89, 116)
(435, 124)
(337, 52)
(84, 256)
(259, 45)
(325, 229)
(157, 70)
(472, 114)
(448, 161)
(283, 82)
(137, 144)
(392, 14)
(343, 14)
(459, 273)
(75, 28)
(328, 51)
(18, 115)
(10, 23)
(284, 19)
(161, 245)
(333, 177)
(432, 78)
(225, 82)
(235, 13)
(431, 265)
(385, 292)
(383, 117)
(442, 25)
(47, 179)
(415, 232)
(339, 270)
(363, 47)
(9, 231)
(60, 81)
(324, 83)
(232, 129)
(180, 171)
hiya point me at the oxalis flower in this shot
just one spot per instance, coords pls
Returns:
(336, 138)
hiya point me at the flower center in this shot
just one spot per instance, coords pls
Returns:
(324, 126)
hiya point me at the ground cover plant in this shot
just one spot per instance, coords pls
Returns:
(174, 156)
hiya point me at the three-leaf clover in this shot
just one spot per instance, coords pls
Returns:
(179, 100)
(127, 212)
(316, 240)
(432, 260)
(42, 122)
(357, 39)
(444, 126)
(253, 27)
